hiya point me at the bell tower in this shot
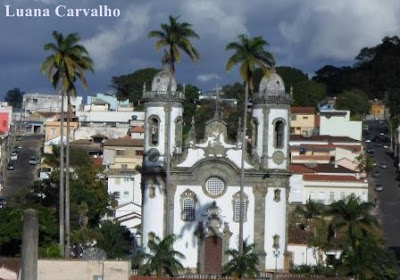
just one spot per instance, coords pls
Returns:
(163, 106)
(271, 124)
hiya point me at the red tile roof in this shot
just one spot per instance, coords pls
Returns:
(318, 138)
(303, 110)
(124, 141)
(316, 157)
(330, 178)
(137, 129)
(98, 162)
(301, 169)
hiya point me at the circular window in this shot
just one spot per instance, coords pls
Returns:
(215, 186)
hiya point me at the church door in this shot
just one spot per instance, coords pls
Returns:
(212, 255)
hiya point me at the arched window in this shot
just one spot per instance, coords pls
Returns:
(254, 134)
(188, 201)
(154, 127)
(277, 195)
(236, 207)
(178, 136)
(275, 240)
(279, 134)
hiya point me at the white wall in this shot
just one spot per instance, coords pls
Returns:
(187, 244)
(340, 126)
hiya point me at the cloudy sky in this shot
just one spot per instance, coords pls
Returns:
(305, 34)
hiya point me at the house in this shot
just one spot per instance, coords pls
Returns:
(338, 123)
(377, 110)
(125, 186)
(121, 157)
(113, 124)
(122, 153)
(325, 183)
(326, 149)
(303, 121)
(110, 99)
(52, 127)
(33, 102)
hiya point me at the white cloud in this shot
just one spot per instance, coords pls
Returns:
(339, 29)
(208, 77)
(224, 19)
(132, 24)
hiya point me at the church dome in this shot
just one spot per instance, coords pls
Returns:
(272, 84)
(162, 79)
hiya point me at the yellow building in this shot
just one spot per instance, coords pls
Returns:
(303, 121)
(377, 109)
(122, 153)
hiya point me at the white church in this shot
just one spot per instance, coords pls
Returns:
(201, 202)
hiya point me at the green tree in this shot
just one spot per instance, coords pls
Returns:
(14, 97)
(131, 86)
(354, 100)
(308, 93)
(352, 223)
(241, 265)
(309, 212)
(189, 107)
(114, 239)
(64, 67)
(364, 163)
(176, 36)
(11, 220)
(250, 53)
(163, 259)
(371, 260)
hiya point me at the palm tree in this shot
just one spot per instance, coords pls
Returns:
(241, 265)
(63, 67)
(175, 36)
(352, 221)
(163, 259)
(309, 212)
(251, 54)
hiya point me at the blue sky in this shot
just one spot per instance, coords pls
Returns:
(305, 34)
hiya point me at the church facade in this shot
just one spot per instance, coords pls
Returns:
(198, 196)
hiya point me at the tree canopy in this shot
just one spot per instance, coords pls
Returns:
(130, 86)
(176, 36)
(14, 97)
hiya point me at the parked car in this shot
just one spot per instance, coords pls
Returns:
(371, 152)
(33, 161)
(3, 202)
(14, 156)
(378, 187)
(11, 166)
(376, 173)
(383, 165)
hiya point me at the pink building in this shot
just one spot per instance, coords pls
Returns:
(4, 122)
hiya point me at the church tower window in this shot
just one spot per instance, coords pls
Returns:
(154, 127)
(178, 135)
(254, 136)
(188, 201)
(277, 195)
(236, 207)
(279, 134)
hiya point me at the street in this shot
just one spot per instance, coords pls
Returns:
(388, 200)
(24, 174)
